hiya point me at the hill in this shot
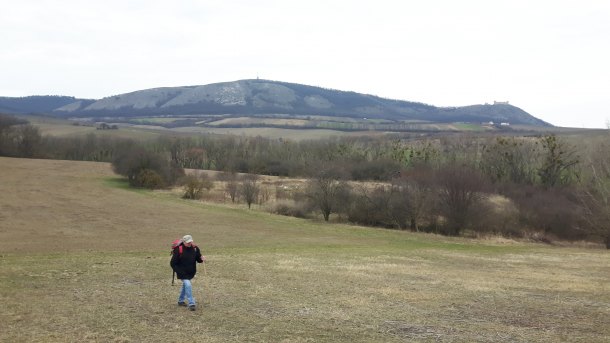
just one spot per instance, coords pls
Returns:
(38, 104)
(255, 98)
(92, 265)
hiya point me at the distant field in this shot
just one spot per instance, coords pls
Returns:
(83, 258)
(260, 121)
(144, 127)
(469, 127)
(276, 133)
(297, 121)
(160, 120)
(58, 127)
(64, 128)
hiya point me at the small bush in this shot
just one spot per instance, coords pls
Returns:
(147, 178)
(380, 170)
(194, 186)
(461, 192)
(496, 216)
(290, 208)
(551, 211)
(133, 159)
(365, 210)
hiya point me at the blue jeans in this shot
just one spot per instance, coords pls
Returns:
(186, 292)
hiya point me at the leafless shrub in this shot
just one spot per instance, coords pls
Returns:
(290, 208)
(250, 189)
(327, 192)
(415, 194)
(194, 185)
(594, 194)
(371, 207)
(231, 185)
(263, 195)
(460, 191)
(497, 215)
(554, 212)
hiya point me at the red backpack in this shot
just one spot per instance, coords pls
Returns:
(177, 243)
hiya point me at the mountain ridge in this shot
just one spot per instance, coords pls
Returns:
(255, 97)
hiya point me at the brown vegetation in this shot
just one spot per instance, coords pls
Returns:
(553, 182)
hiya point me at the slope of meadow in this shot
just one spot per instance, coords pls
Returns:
(82, 258)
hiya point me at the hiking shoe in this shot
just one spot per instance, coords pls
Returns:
(192, 307)
(181, 303)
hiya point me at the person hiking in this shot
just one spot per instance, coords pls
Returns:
(184, 261)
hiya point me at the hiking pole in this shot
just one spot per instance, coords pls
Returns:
(173, 276)
(207, 284)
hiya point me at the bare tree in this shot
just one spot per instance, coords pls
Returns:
(416, 190)
(28, 140)
(231, 186)
(559, 161)
(325, 191)
(378, 206)
(9, 134)
(250, 189)
(461, 189)
(509, 159)
(595, 194)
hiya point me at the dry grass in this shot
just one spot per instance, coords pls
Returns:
(58, 127)
(66, 128)
(276, 133)
(85, 259)
(260, 121)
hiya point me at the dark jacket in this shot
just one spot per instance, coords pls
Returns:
(185, 264)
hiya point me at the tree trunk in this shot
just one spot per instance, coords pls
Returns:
(414, 225)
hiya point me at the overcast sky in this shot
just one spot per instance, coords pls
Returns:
(550, 58)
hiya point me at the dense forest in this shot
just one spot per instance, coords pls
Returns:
(35, 103)
(545, 187)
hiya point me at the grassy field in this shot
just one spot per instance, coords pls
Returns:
(83, 258)
(65, 128)
(58, 127)
(276, 133)
(62, 128)
(146, 130)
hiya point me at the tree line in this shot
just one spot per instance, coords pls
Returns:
(449, 184)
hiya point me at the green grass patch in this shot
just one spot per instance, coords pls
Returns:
(117, 182)
(468, 127)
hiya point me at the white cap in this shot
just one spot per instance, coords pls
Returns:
(187, 239)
